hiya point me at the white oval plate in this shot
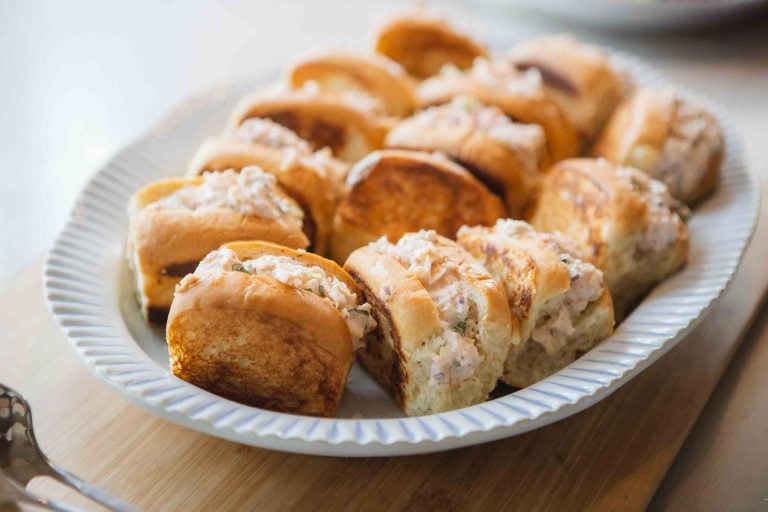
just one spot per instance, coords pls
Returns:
(644, 14)
(89, 290)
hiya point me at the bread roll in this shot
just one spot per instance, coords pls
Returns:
(504, 155)
(423, 43)
(627, 224)
(393, 192)
(520, 95)
(268, 326)
(351, 128)
(175, 223)
(578, 77)
(313, 179)
(344, 72)
(443, 324)
(560, 301)
(670, 139)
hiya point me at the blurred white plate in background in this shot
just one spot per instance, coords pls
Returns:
(643, 14)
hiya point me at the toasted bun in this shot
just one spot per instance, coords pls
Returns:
(508, 171)
(533, 274)
(578, 77)
(399, 353)
(525, 103)
(340, 71)
(668, 138)
(423, 44)
(393, 192)
(351, 131)
(165, 245)
(304, 179)
(590, 202)
(258, 341)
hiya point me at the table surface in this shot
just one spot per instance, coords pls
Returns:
(85, 85)
(613, 456)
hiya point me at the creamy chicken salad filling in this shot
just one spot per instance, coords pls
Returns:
(664, 211)
(268, 133)
(458, 358)
(499, 74)
(556, 318)
(693, 140)
(250, 192)
(310, 278)
(467, 114)
(356, 98)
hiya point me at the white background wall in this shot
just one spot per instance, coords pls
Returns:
(79, 79)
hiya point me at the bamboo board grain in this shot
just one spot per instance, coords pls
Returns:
(609, 457)
(723, 464)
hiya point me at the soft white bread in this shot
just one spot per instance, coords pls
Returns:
(578, 77)
(393, 192)
(311, 178)
(344, 72)
(351, 129)
(267, 326)
(627, 224)
(670, 139)
(423, 43)
(520, 95)
(561, 302)
(504, 155)
(168, 235)
(443, 324)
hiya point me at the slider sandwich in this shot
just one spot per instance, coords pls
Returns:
(669, 138)
(351, 126)
(268, 326)
(504, 155)
(625, 223)
(560, 300)
(312, 178)
(444, 328)
(521, 95)
(423, 43)
(174, 223)
(392, 192)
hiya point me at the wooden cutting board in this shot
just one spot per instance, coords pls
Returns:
(610, 457)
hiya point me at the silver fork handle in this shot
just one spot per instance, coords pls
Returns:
(89, 490)
(11, 492)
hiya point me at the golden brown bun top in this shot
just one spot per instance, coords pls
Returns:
(644, 119)
(597, 181)
(316, 116)
(341, 71)
(423, 43)
(254, 249)
(238, 291)
(382, 186)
